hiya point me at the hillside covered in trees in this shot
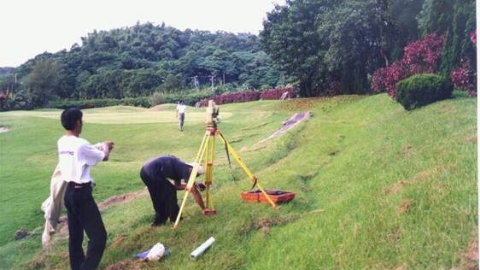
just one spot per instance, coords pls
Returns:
(320, 47)
(136, 61)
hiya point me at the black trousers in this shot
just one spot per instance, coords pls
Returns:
(83, 215)
(163, 195)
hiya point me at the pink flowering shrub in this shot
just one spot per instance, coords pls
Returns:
(421, 56)
(473, 36)
(246, 96)
(237, 97)
(465, 79)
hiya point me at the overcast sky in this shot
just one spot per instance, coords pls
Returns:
(31, 27)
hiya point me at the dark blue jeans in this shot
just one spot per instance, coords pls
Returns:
(83, 215)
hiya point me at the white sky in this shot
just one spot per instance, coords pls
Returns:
(31, 27)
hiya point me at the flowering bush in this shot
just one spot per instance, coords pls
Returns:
(465, 79)
(421, 56)
(473, 36)
(277, 93)
(250, 95)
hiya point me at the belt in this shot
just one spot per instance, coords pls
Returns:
(77, 185)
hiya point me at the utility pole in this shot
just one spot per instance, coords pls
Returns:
(195, 81)
(212, 77)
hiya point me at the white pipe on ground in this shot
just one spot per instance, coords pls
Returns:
(199, 251)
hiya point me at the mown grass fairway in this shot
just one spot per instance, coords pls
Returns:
(377, 187)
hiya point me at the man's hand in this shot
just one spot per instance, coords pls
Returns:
(200, 186)
(180, 186)
(110, 145)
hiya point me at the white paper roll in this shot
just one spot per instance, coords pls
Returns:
(199, 251)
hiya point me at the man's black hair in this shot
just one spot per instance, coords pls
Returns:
(70, 117)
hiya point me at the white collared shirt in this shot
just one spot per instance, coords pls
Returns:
(75, 156)
(181, 108)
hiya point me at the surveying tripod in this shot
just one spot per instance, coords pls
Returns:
(207, 149)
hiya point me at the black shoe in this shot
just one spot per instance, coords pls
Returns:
(173, 218)
(157, 224)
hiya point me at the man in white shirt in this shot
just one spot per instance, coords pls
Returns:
(181, 114)
(76, 156)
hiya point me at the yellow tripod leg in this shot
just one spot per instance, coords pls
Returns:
(193, 175)
(209, 171)
(245, 168)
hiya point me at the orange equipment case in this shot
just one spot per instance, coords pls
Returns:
(276, 195)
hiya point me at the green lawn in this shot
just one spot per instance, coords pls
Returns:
(377, 187)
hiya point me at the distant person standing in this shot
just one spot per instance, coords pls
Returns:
(181, 114)
(76, 156)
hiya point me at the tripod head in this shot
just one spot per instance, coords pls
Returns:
(212, 114)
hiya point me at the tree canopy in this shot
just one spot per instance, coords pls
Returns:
(322, 47)
(332, 47)
(139, 60)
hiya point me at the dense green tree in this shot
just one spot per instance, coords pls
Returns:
(133, 61)
(172, 82)
(436, 16)
(329, 46)
(43, 81)
(290, 37)
(360, 35)
(456, 19)
(404, 15)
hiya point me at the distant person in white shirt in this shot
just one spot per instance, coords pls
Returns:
(181, 114)
(76, 156)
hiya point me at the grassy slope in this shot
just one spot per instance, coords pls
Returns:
(397, 189)
(28, 157)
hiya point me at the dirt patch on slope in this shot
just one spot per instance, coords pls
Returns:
(405, 206)
(264, 225)
(114, 200)
(417, 178)
(119, 240)
(395, 187)
(127, 264)
(470, 255)
(471, 138)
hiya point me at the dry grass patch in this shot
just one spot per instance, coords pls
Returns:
(127, 264)
(405, 206)
(470, 255)
(470, 139)
(395, 187)
(417, 178)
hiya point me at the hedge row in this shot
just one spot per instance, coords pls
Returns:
(98, 103)
(250, 95)
(189, 99)
(146, 102)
